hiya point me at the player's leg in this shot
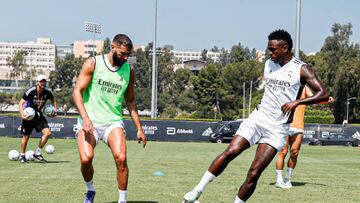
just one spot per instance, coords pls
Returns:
(237, 145)
(23, 145)
(117, 143)
(86, 145)
(42, 126)
(264, 155)
(280, 163)
(26, 129)
(46, 133)
(295, 144)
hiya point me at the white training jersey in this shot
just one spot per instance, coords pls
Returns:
(282, 85)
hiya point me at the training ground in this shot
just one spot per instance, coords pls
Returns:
(323, 174)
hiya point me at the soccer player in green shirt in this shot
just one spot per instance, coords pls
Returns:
(105, 81)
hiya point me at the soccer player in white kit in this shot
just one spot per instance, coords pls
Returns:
(268, 124)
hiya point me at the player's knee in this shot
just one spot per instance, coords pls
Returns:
(120, 160)
(253, 175)
(294, 153)
(283, 152)
(48, 134)
(86, 158)
(232, 151)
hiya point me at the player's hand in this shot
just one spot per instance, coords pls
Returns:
(24, 116)
(141, 137)
(288, 107)
(54, 114)
(88, 126)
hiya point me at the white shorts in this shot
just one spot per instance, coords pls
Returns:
(256, 129)
(101, 131)
(295, 131)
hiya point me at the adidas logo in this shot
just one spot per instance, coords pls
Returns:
(207, 132)
(356, 135)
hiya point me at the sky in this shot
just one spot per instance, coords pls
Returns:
(188, 25)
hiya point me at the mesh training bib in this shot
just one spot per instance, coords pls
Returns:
(104, 95)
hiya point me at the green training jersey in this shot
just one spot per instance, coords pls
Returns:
(104, 95)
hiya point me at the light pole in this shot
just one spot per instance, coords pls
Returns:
(250, 98)
(244, 98)
(154, 71)
(93, 28)
(298, 18)
(29, 52)
(347, 107)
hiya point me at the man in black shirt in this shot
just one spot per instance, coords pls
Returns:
(36, 98)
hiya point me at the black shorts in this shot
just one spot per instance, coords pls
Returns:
(39, 123)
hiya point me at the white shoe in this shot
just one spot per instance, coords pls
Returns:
(287, 184)
(192, 196)
(279, 184)
(284, 185)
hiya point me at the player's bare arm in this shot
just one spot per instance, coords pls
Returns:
(54, 104)
(82, 82)
(309, 77)
(131, 104)
(21, 104)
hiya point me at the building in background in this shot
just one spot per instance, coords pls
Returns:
(194, 55)
(194, 65)
(39, 56)
(86, 48)
(63, 50)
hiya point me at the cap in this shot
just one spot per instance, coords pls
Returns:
(40, 78)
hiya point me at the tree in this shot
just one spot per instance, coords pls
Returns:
(142, 68)
(165, 70)
(235, 74)
(347, 85)
(204, 54)
(5, 101)
(215, 49)
(182, 91)
(224, 57)
(338, 62)
(143, 98)
(63, 77)
(319, 64)
(239, 53)
(107, 46)
(17, 62)
(334, 49)
(208, 90)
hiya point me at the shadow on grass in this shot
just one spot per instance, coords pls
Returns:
(137, 202)
(297, 184)
(49, 162)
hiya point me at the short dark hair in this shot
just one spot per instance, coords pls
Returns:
(281, 35)
(124, 40)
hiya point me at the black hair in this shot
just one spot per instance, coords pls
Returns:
(124, 40)
(281, 35)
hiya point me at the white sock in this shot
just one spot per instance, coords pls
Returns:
(206, 179)
(122, 195)
(238, 200)
(289, 172)
(38, 151)
(90, 186)
(279, 177)
(22, 154)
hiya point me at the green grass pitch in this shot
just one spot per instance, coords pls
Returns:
(323, 174)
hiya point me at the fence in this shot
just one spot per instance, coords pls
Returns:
(164, 130)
